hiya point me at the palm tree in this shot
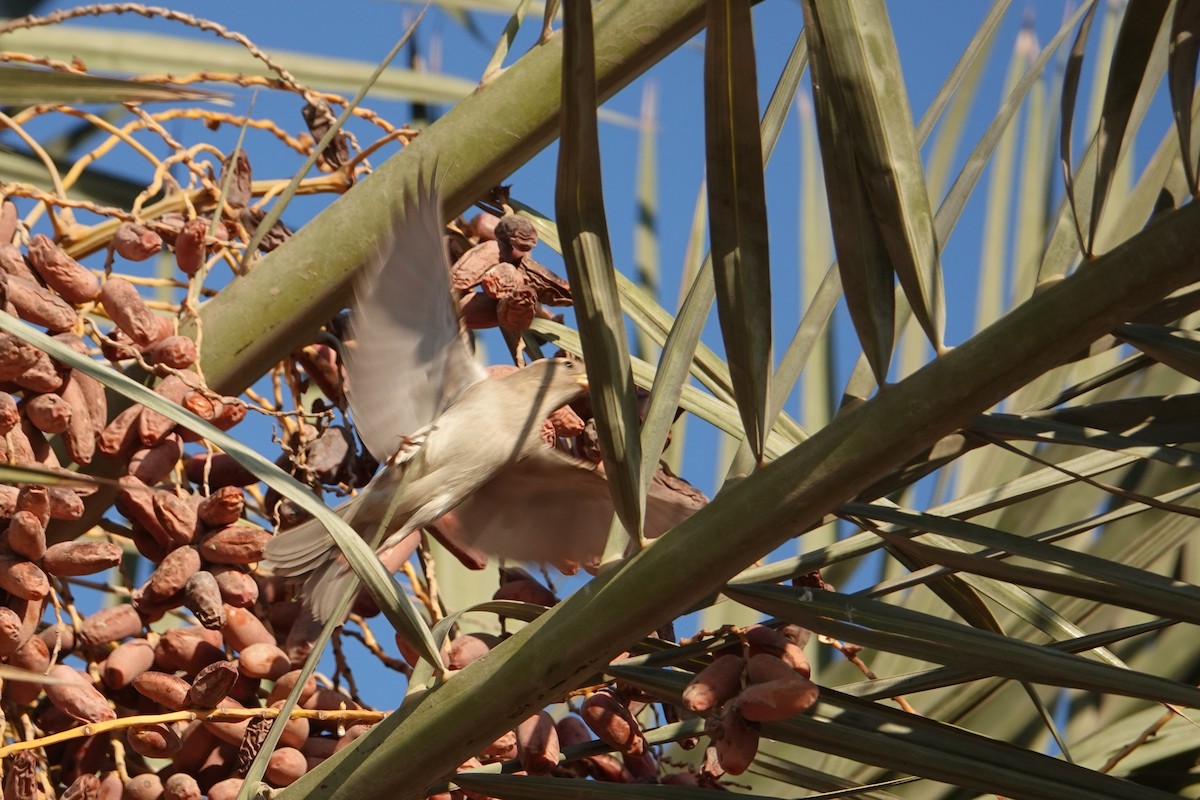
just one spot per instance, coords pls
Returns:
(985, 504)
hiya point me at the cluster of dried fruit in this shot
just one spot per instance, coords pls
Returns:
(188, 667)
(513, 287)
(766, 683)
(608, 714)
(200, 545)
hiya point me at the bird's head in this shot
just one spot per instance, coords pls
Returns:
(554, 381)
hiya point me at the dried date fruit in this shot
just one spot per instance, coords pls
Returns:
(16, 356)
(40, 306)
(125, 663)
(736, 741)
(36, 500)
(26, 535)
(166, 690)
(136, 242)
(218, 469)
(231, 732)
(59, 637)
(147, 786)
(175, 351)
(62, 273)
(181, 786)
(223, 507)
(80, 434)
(177, 515)
(93, 397)
(329, 700)
(136, 501)
(85, 787)
(764, 667)
(537, 744)
(240, 187)
(65, 503)
(295, 730)
(330, 456)
(186, 649)
(571, 731)
(154, 464)
(227, 789)
(469, 647)
(153, 426)
(8, 221)
(30, 612)
(243, 628)
(714, 685)
(13, 263)
(10, 416)
(110, 625)
(70, 559)
(10, 631)
(778, 699)
(49, 413)
(319, 748)
(126, 308)
(263, 660)
(32, 446)
(286, 766)
(21, 781)
(211, 685)
(237, 588)
(41, 376)
(77, 696)
(793, 656)
(604, 767)
(355, 731)
(156, 740)
(202, 596)
(190, 249)
(610, 719)
(170, 576)
(119, 437)
(286, 682)
(235, 544)
(228, 412)
(23, 578)
(32, 655)
(503, 748)
(319, 119)
(644, 767)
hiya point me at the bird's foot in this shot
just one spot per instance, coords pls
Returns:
(410, 445)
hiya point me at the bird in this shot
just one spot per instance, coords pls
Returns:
(450, 438)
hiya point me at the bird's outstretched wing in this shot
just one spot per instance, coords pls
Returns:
(553, 508)
(409, 359)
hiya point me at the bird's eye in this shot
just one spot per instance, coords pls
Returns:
(570, 364)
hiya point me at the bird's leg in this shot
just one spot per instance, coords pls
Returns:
(410, 446)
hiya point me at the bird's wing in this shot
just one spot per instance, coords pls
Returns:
(409, 360)
(553, 508)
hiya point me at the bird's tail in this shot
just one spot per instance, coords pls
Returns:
(325, 587)
(298, 550)
(308, 551)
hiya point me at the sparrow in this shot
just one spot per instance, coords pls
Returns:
(450, 437)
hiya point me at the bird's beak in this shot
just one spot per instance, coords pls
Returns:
(582, 381)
